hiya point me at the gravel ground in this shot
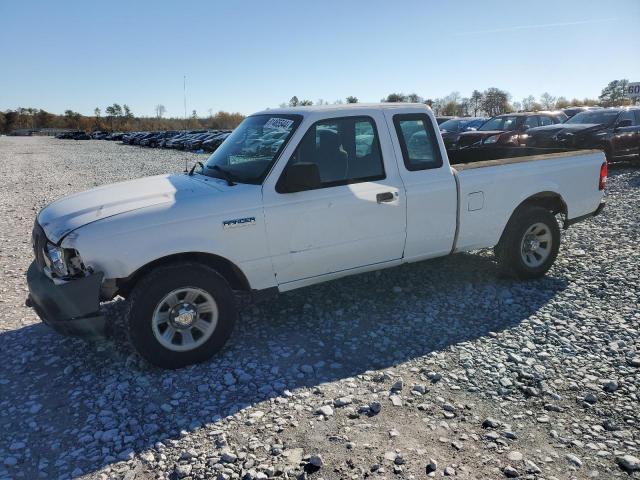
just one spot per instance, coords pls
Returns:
(432, 369)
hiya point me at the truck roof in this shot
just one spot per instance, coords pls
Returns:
(342, 107)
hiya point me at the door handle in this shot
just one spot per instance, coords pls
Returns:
(385, 197)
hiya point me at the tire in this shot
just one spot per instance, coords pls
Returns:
(516, 251)
(181, 314)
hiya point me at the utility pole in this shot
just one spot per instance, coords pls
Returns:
(184, 93)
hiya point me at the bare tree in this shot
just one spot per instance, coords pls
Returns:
(614, 94)
(547, 101)
(452, 97)
(495, 101)
(528, 102)
(96, 113)
(395, 97)
(160, 110)
(475, 102)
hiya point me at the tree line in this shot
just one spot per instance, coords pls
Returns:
(494, 101)
(116, 117)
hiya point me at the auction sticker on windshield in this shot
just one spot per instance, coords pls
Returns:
(279, 123)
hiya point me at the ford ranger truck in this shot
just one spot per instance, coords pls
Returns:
(293, 197)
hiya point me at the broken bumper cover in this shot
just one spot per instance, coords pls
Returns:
(70, 308)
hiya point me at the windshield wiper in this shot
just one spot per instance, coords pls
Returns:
(226, 175)
(194, 167)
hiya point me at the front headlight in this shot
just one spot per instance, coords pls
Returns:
(64, 262)
(57, 262)
(491, 139)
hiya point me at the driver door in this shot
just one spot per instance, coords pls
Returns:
(357, 216)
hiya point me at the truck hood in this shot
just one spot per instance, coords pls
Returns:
(74, 211)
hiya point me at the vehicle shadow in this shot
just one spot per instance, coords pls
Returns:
(80, 406)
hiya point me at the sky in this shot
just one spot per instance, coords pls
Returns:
(244, 56)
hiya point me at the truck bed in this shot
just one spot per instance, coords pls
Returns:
(490, 191)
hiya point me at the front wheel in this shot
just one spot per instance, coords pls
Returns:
(181, 314)
(530, 243)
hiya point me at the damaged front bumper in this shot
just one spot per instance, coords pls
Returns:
(71, 307)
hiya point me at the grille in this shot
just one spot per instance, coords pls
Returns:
(39, 241)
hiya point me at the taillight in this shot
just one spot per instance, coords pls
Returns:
(603, 176)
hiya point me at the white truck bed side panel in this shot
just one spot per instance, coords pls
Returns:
(489, 195)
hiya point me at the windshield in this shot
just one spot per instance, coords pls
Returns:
(507, 122)
(247, 154)
(453, 125)
(604, 117)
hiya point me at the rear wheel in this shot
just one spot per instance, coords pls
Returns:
(529, 244)
(181, 314)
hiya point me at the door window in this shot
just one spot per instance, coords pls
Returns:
(546, 121)
(531, 122)
(628, 115)
(346, 150)
(420, 149)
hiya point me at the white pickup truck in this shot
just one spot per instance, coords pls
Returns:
(292, 198)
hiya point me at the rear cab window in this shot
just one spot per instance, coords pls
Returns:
(418, 141)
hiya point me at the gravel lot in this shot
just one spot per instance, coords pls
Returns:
(437, 367)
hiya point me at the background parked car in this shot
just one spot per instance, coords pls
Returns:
(194, 140)
(451, 129)
(506, 130)
(214, 142)
(571, 111)
(614, 130)
(443, 118)
(179, 140)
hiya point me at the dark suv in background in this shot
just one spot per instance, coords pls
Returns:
(614, 130)
(571, 111)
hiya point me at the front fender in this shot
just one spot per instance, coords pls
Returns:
(121, 245)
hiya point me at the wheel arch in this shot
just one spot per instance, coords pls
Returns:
(229, 271)
(549, 200)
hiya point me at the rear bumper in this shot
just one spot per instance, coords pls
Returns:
(573, 221)
(70, 308)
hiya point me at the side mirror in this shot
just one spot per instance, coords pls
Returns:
(524, 128)
(299, 177)
(624, 123)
